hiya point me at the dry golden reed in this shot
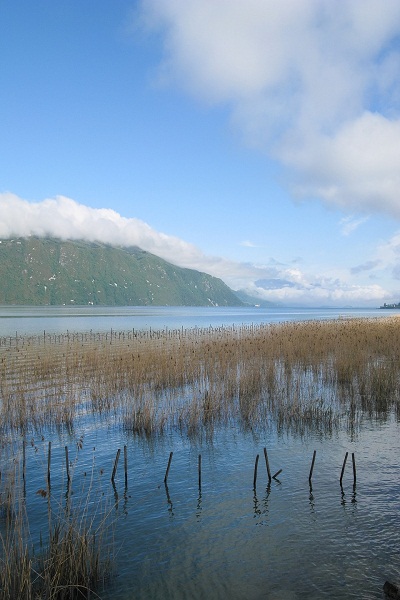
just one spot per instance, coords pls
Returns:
(297, 375)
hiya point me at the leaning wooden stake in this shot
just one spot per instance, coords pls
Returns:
(276, 474)
(115, 464)
(255, 472)
(354, 468)
(267, 465)
(169, 464)
(312, 466)
(343, 467)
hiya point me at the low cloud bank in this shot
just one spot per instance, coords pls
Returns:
(66, 219)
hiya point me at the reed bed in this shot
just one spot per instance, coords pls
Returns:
(295, 376)
(75, 560)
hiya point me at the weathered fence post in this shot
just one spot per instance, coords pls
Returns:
(354, 468)
(67, 463)
(312, 466)
(23, 460)
(267, 465)
(200, 472)
(169, 464)
(48, 464)
(343, 467)
(115, 464)
(126, 465)
(255, 472)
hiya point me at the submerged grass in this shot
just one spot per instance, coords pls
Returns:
(194, 378)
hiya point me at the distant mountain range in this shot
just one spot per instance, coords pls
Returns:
(47, 271)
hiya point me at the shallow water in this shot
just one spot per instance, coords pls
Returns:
(284, 540)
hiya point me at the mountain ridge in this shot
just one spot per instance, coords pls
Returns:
(50, 271)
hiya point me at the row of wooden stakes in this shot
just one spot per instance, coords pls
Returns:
(270, 477)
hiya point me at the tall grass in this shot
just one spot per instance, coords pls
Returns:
(296, 375)
(75, 561)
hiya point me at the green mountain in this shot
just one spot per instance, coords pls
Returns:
(41, 271)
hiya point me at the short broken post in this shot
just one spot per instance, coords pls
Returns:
(115, 464)
(276, 474)
(255, 472)
(169, 464)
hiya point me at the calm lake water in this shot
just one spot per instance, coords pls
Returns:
(33, 320)
(283, 541)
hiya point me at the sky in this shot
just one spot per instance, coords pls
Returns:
(255, 140)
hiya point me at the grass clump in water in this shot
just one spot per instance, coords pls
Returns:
(74, 564)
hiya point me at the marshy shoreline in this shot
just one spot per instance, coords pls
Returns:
(295, 377)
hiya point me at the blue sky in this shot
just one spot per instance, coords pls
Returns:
(256, 140)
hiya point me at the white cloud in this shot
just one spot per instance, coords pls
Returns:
(351, 223)
(248, 244)
(66, 219)
(314, 82)
(358, 168)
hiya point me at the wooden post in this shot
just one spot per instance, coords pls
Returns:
(169, 464)
(115, 464)
(312, 466)
(276, 474)
(354, 468)
(67, 463)
(267, 465)
(255, 472)
(23, 460)
(126, 465)
(343, 467)
(200, 472)
(48, 464)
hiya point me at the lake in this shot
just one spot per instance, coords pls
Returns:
(34, 320)
(282, 540)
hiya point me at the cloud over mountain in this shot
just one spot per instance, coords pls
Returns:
(66, 219)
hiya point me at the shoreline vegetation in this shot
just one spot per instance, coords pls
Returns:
(297, 377)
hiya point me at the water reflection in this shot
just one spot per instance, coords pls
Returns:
(353, 497)
(261, 509)
(169, 501)
(199, 507)
(311, 500)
